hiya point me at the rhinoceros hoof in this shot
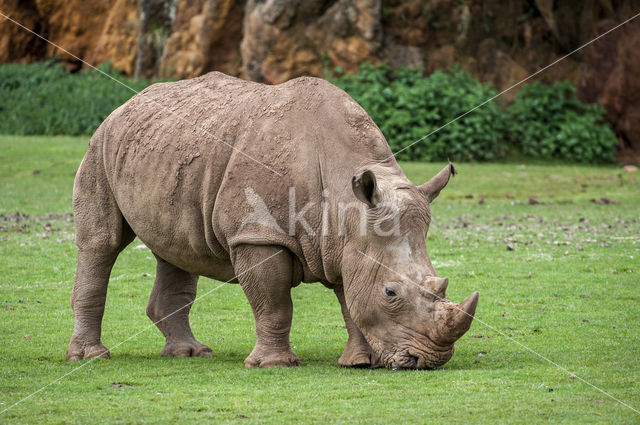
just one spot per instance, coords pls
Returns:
(270, 359)
(186, 349)
(359, 359)
(78, 351)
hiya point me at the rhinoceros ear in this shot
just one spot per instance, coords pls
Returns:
(432, 188)
(365, 188)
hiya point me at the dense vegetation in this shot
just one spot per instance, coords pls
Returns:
(549, 121)
(407, 106)
(545, 121)
(44, 98)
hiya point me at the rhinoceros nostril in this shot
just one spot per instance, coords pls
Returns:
(413, 362)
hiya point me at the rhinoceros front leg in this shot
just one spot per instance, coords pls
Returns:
(169, 304)
(357, 352)
(265, 274)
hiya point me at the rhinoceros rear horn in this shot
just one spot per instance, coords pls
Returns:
(432, 188)
(439, 286)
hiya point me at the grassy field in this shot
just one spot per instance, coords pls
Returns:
(567, 288)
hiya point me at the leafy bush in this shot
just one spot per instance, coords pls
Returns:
(406, 105)
(45, 98)
(549, 121)
(544, 120)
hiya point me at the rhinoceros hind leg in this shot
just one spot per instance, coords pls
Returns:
(88, 300)
(169, 304)
(265, 274)
(101, 233)
(357, 352)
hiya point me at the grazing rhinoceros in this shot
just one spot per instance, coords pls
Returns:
(268, 186)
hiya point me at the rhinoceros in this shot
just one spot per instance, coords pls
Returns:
(268, 187)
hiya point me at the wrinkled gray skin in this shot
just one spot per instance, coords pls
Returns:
(183, 192)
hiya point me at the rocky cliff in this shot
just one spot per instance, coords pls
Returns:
(275, 40)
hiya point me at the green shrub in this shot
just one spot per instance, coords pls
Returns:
(544, 120)
(549, 121)
(45, 98)
(406, 105)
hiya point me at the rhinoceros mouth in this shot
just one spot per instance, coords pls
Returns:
(419, 352)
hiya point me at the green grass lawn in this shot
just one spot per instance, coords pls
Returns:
(568, 289)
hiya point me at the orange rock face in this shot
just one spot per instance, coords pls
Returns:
(95, 31)
(274, 41)
(205, 36)
(117, 40)
(16, 44)
(609, 76)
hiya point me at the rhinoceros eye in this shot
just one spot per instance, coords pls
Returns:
(389, 292)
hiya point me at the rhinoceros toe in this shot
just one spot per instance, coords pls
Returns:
(186, 349)
(271, 359)
(359, 359)
(358, 354)
(79, 351)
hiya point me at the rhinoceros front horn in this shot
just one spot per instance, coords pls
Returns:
(461, 316)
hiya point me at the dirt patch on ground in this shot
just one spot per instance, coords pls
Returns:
(42, 225)
(513, 232)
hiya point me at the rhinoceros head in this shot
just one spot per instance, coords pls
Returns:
(393, 293)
